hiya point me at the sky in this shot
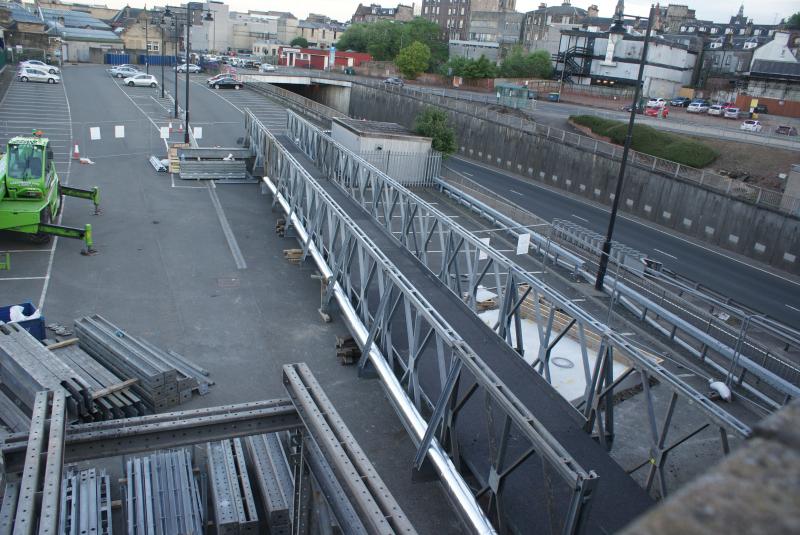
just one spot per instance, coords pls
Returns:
(762, 12)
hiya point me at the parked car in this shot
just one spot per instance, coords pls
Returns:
(227, 82)
(726, 105)
(267, 67)
(629, 107)
(49, 69)
(394, 81)
(252, 64)
(213, 79)
(30, 74)
(761, 108)
(127, 66)
(656, 111)
(192, 68)
(731, 113)
(680, 102)
(716, 109)
(142, 80)
(123, 72)
(698, 106)
(656, 102)
(786, 130)
(751, 125)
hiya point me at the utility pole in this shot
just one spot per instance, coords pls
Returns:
(604, 257)
(162, 27)
(146, 43)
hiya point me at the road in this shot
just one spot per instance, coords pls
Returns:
(772, 294)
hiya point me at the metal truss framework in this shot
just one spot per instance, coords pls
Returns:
(376, 295)
(330, 455)
(463, 262)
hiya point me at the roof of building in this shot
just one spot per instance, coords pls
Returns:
(775, 69)
(85, 34)
(564, 9)
(20, 14)
(333, 25)
(378, 10)
(374, 128)
(73, 19)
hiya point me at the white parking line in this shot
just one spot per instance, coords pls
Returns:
(579, 217)
(793, 308)
(24, 279)
(665, 254)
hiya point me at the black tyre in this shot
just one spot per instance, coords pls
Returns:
(216, 86)
(153, 84)
(52, 71)
(24, 79)
(236, 86)
(41, 238)
(130, 84)
(119, 76)
(51, 80)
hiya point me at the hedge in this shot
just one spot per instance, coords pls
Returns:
(649, 140)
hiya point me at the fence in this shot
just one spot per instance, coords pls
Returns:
(409, 168)
(16, 55)
(753, 194)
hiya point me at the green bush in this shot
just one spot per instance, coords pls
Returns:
(649, 140)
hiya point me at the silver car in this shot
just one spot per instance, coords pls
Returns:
(30, 74)
(36, 64)
(123, 72)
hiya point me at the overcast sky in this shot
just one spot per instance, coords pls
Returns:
(762, 12)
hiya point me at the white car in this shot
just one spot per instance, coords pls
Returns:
(731, 113)
(716, 109)
(123, 71)
(146, 80)
(50, 69)
(31, 74)
(267, 67)
(697, 107)
(191, 68)
(656, 103)
(751, 125)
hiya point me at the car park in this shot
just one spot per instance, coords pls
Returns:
(192, 68)
(656, 103)
(31, 74)
(227, 82)
(731, 113)
(786, 130)
(751, 125)
(49, 69)
(141, 80)
(123, 72)
(680, 102)
(698, 106)
(656, 111)
(394, 81)
(716, 110)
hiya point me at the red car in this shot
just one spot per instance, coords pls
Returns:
(653, 111)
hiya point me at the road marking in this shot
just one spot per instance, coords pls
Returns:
(24, 279)
(579, 217)
(226, 228)
(666, 254)
(627, 334)
(623, 216)
(793, 308)
(469, 174)
(515, 192)
(578, 300)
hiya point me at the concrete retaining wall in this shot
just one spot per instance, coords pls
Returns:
(756, 232)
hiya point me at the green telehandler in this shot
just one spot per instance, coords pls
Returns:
(31, 194)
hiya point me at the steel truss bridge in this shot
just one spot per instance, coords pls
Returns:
(510, 452)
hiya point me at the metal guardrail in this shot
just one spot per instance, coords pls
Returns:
(413, 169)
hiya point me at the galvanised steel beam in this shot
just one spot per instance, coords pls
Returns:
(361, 276)
(162, 431)
(462, 261)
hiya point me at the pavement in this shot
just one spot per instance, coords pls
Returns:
(763, 290)
(166, 271)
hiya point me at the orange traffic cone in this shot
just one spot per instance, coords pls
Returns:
(180, 128)
(76, 152)
(170, 128)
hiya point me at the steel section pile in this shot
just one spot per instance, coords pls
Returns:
(85, 503)
(162, 496)
(231, 493)
(274, 480)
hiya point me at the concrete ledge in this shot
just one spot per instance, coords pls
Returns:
(753, 491)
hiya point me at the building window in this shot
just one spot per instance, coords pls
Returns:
(153, 46)
(714, 30)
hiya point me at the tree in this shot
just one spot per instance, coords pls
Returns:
(413, 59)
(518, 64)
(470, 68)
(433, 123)
(300, 42)
(384, 39)
(793, 22)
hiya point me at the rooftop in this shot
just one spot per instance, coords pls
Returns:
(374, 128)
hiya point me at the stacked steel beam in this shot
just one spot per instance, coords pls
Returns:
(163, 380)
(85, 503)
(231, 493)
(162, 496)
(274, 480)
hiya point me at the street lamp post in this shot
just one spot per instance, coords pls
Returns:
(162, 27)
(146, 43)
(601, 271)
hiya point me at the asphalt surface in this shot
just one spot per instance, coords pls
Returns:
(762, 290)
(165, 270)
